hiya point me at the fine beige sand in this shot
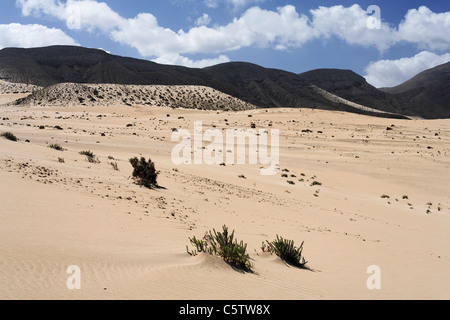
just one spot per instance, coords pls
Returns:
(130, 242)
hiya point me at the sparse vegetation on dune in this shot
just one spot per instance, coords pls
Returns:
(189, 97)
(90, 156)
(287, 251)
(56, 147)
(114, 165)
(224, 245)
(9, 136)
(144, 172)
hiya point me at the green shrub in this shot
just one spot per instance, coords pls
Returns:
(115, 166)
(90, 156)
(286, 250)
(145, 172)
(9, 136)
(56, 147)
(224, 245)
(316, 183)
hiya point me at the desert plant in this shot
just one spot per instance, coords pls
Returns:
(115, 166)
(9, 136)
(56, 147)
(224, 245)
(90, 156)
(144, 172)
(385, 196)
(287, 251)
(316, 183)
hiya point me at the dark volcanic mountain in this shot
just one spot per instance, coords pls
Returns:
(251, 83)
(351, 86)
(427, 94)
(259, 86)
(58, 64)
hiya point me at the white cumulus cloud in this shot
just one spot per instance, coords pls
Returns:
(425, 28)
(281, 29)
(390, 73)
(256, 27)
(351, 25)
(235, 4)
(176, 59)
(78, 14)
(204, 20)
(33, 35)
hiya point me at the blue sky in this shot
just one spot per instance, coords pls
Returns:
(296, 36)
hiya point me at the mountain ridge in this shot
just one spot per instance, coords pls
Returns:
(254, 84)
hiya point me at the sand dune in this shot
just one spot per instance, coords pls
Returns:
(16, 88)
(190, 97)
(130, 242)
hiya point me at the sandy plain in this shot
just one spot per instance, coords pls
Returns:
(130, 242)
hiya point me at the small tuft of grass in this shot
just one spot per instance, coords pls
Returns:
(224, 245)
(115, 166)
(242, 176)
(61, 160)
(56, 147)
(316, 183)
(287, 251)
(9, 136)
(291, 182)
(385, 196)
(90, 156)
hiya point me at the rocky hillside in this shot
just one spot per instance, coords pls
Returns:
(424, 96)
(190, 97)
(427, 94)
(15, 88)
